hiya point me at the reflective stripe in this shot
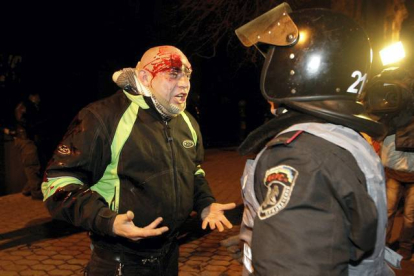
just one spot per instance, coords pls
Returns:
(109, 185)
(200, 171)
(194, 134)
(49, 187)
(190, 126)
(247, 258)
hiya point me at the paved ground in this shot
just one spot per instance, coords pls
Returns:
(31, 243)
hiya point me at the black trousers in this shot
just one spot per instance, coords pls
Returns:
(107, 263)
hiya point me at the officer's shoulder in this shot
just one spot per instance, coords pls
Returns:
(285, 138)
(304, 140)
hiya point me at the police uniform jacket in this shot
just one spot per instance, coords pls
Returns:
(315, 213)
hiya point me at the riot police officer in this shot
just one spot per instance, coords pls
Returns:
(315, 194)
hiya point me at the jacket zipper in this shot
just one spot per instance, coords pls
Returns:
(175, 184)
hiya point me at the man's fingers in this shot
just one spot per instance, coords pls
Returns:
(228, 206)
(226, 222)
(145, 233)
(155, 232)
(204, 225)
(212, 225)
(219, 226)
(154, 224)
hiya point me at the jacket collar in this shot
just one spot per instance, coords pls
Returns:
(138, 99)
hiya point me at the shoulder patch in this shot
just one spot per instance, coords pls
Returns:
(63, 149)
(279, 181)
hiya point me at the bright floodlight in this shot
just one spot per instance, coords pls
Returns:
(392, 54)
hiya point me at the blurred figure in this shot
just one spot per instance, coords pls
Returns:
(315, 194)
(27, 137)
(390, 97)
(399, 169)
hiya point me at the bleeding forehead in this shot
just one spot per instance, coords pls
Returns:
(165, 58)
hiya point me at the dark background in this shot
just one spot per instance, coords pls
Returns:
(68, 51)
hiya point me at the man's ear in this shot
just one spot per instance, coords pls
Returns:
(144, 77)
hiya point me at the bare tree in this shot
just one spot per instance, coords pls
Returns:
(206, 24)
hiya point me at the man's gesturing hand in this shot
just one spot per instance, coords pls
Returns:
(123, 226)
(213, 216)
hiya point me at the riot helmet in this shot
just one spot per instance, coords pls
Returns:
(317, 63)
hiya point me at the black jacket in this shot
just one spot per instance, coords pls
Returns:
(155, 173)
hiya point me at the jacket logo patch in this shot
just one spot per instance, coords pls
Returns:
(188, 144)
(279, 181)
(63, 149)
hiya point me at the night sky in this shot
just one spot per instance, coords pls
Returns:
(70, 50)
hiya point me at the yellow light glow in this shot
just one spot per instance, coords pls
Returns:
(302, 37)
(392, 53)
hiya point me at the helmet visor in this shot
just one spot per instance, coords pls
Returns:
(274, 27)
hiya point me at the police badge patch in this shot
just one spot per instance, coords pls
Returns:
(279, 181)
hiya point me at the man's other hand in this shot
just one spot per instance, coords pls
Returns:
(213, 216)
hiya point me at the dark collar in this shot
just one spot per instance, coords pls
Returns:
(258, 138)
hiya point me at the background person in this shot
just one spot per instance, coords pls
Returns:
(28, 136)
(390, 97)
